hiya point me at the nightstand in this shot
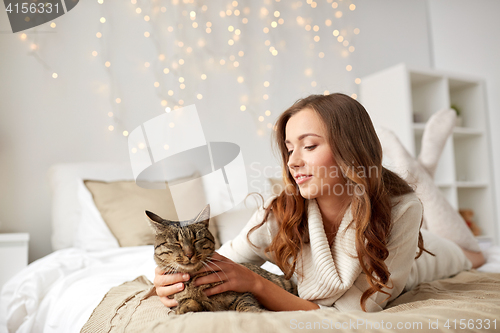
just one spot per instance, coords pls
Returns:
(13, 255)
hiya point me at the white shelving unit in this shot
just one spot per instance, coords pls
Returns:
(403, 99)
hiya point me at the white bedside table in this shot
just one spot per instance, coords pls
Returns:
(13, 255)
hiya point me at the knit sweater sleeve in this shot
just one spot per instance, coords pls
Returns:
(402, 246)
(240, 250)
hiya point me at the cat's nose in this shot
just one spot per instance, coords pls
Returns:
(189, 254)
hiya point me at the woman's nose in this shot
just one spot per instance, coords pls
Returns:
(294, 160)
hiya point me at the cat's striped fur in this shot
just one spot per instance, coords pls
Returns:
(187, 246)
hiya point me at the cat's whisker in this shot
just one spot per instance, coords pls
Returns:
(214, 271)
(219, 268)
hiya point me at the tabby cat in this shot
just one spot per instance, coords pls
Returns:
(186, 247)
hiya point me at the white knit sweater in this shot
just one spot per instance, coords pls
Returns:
(333, 277)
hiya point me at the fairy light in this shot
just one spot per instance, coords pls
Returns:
(321, 55)
(328, 22)
(181, 102)
(229, 12)
(134, 150)
(111, 127)
(161, 57)
(157, 84)
(240, 79)
(181, 61)
(351, 48)
(357, 81)
(52, 25)
(146, 34)
(146, 64)
(243, 108)
(352, 6)
(244, 21)
(268, 113)
(138, 10)
(356, 31)
(98, 35)
(94, 53)
(118, 100)
(110, 114)
(125, 133)
(335, 5)
(164, 103)
(182, 86)
(236, 12)
(107, 64)
(166, 147)
(241, 53)
(265, 97)
(166, 70)
(102, 20)
(266, 84)
(274, 24)
(236, 64)
(54, 75)
(355, 96)
(348, 68)
(171, 125)
(170, 92)
(203, 76)
(261, 118)
(336, 33)
(230, 28)
(146, 18)
(340, 38)
(199, 96)
(313, 84)
(23, 36)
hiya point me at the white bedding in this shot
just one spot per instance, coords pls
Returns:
(58, 292)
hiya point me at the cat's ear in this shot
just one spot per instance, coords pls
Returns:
(156, 222)
(204, 216)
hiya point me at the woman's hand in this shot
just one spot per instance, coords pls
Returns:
(169, 284)
(234, 276)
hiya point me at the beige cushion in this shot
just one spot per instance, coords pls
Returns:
(122, 205)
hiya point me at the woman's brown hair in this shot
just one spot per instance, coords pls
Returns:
(355, 146)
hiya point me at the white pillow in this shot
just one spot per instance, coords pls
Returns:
(92, 233)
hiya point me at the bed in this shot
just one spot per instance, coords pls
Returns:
(98, 279)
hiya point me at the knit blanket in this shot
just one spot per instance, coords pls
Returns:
(467, 302)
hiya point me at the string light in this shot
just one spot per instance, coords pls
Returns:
(193, 16)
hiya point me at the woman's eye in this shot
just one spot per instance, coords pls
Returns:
(310, 147)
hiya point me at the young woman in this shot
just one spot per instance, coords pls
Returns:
(344, 228)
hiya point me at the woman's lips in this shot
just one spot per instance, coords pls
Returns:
(302, 180)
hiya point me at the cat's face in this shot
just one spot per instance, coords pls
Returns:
(182, 246)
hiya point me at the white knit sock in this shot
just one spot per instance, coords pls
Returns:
(437, 130)
(439, 216)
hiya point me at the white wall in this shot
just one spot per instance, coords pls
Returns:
(465, 39)
(45, 121)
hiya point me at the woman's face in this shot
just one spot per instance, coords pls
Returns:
(310, 155)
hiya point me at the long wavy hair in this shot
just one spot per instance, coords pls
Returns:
(355, 146)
